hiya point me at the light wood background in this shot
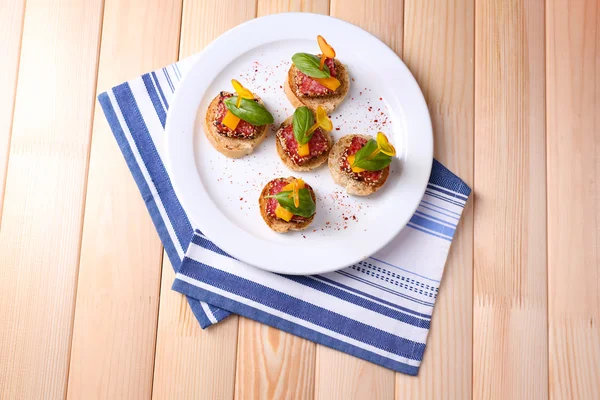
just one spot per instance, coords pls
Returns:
(86, 309)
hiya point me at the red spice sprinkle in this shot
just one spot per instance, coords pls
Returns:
(375, 120)
(337, 129)
(241, 198)
(345, 227)
(280, 87)
(380, 98)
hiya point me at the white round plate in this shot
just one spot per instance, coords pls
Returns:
(221, 194)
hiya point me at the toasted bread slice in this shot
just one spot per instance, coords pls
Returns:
(308, 166)
(353, 186)
(228, 146)
(279, 225)
(329, 103)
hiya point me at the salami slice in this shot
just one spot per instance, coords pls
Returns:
(311, 88)
(318, 145)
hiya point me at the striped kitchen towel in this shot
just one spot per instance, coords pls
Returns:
(379, 309)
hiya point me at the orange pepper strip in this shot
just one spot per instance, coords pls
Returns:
(284, 214)
(330, 83)
(351, 161)
(230, 120)
(303, 150)
(326, 50)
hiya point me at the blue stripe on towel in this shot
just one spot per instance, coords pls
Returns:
(166, 73)
(450, 224)
(158, 107)
(427, 232)
(160, 91)
(432, 226)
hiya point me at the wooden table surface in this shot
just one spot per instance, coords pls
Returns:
(86, 309)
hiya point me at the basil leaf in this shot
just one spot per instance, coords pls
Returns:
(364, 159)
(306, 208)
(302, 122)
(250, 111)
(308, 64)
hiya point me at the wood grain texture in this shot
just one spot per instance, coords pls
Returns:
(265, 7)
(382, 18)
(573, 137)
(338, 375)
(192, 363)
(45, 186)
(438, 48)
(273, 364)
(11, 28)
(119, 276)
(203, 21)
(510, 303)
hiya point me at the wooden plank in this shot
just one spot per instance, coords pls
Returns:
(119, 276)
(265, 7)
(438, 48)
(573, 138)
(11, 29)
(191, 362)
(342, 376)
(45, 186)
(339, 375)
(382, 18)
(271, 363)
(510, 293)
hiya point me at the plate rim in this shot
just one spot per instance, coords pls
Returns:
(170, 144)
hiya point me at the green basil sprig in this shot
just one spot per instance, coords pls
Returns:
(302, 122)
(306, 208)
(366, 159)
(250, 111)
(308, 64)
